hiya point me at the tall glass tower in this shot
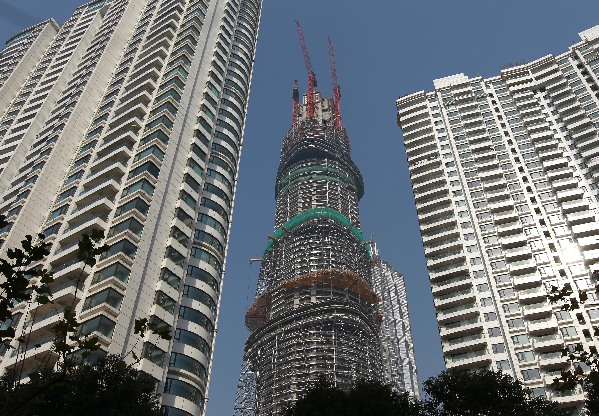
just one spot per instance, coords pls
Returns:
(129, 119)
(314, 313)
(397, 347)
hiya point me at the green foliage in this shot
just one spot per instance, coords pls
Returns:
(70, 388)
(483, 393)
(365, 398)
(143, 325)
(451, 393)
(17, 272)
(578, 356)
(89, 249)
(105, 388)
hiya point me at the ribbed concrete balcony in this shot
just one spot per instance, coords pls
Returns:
(451, 285)
(472, 360)
(575, 205)
(570, 194)
(427, 171)
(527, 281)
(586, 230)
(560, 162)
(537, 310)
(548, 342)
(542, 326)
(532, 295)
(474, 341)
(454, 298)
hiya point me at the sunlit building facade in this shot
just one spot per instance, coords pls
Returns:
(129, 119)
(397, 345)
(505, 178)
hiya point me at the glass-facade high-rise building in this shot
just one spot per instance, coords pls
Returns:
(397, 346)
(505, 173)
(129, 118)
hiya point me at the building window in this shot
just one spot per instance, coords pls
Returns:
(532, 374)
(184, 390)
(498, 348)
(490, 316)
(568, 331)
(525, 356)
(503, 365)
(520, 339)
(515, 323)
(562, 315)
(494, 332)
(511, 307)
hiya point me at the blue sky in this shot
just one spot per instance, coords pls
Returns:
(384, 48)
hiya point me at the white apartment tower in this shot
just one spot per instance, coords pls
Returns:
(129, 119)
(505, 173)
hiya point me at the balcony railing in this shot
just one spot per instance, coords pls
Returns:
(454, 294)
(467, 338)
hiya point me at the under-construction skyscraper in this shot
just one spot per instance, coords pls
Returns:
(315, 310)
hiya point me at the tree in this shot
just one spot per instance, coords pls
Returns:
(24, 280)
(365, 398)
(584, 364)
(104, 388)
(483, 393)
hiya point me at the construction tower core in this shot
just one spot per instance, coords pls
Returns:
(315, 310)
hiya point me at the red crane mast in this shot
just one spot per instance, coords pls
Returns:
(295, 98)
(336, 89)
(311, 74)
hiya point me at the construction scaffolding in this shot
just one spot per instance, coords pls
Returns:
(315, 312)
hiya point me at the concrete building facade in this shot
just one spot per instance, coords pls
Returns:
(131, 121)
(505, 174)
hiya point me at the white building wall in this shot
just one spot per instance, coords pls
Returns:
(505, 184)
(19, 57)
(144, 144)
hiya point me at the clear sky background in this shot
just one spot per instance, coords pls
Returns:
(384, 48)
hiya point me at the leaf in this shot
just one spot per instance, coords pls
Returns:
(121, 365)
(42, 299)
(46, 277)
(88, 250)
(7, 333)
(35, 376)
(141, 326)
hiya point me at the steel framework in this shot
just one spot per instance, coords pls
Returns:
(315, 311)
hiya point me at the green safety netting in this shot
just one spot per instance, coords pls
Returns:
(318, 212)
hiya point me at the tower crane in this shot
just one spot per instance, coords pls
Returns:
(336, 89)
(295, 98)
(311, 75)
